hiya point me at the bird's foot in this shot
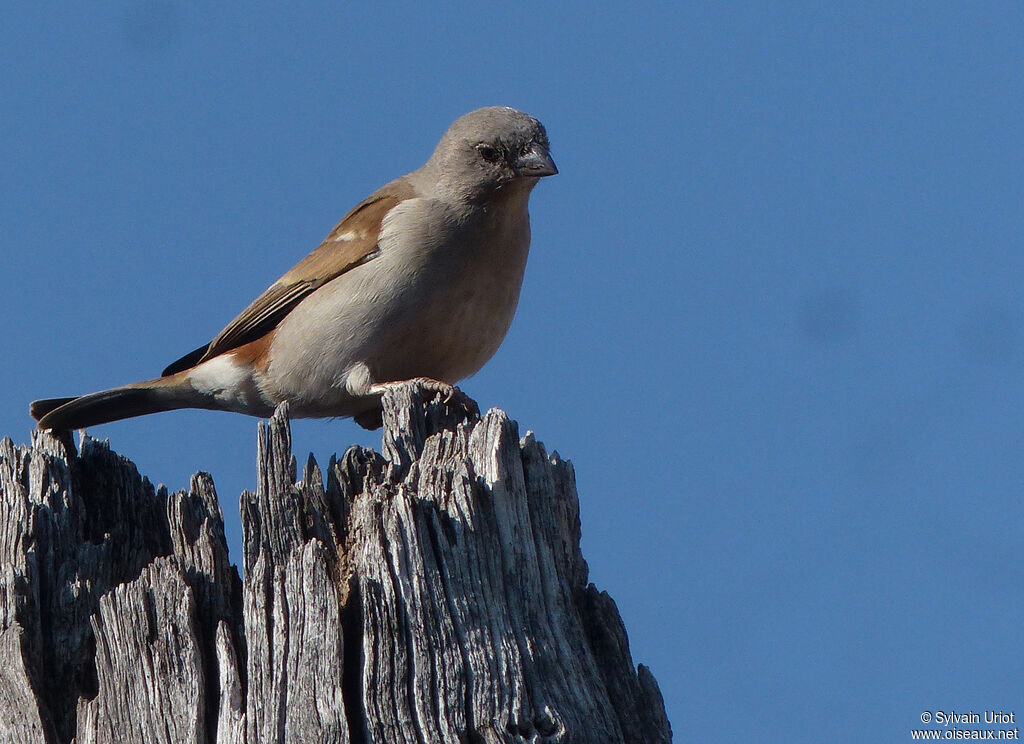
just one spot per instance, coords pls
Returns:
(450, 393)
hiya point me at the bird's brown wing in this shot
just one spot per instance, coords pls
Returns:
(352, 242)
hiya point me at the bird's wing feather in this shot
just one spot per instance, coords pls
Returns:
(352, 242)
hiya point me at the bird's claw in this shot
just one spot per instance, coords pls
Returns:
(449, 393)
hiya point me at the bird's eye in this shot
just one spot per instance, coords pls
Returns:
(488, 153)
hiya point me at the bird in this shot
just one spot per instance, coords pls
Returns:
(419, 281)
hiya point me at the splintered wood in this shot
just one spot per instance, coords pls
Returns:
(435, 593)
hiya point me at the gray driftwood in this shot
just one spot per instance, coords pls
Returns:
(435, 593)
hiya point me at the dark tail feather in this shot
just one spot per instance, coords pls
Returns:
(109, 405)
(188, 361)
(39, 408)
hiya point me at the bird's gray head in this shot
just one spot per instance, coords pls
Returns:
(489, 149)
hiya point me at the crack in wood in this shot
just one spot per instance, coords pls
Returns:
(433, 594)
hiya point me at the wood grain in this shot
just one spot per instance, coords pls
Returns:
(435, 593)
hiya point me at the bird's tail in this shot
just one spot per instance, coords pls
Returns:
(137, 399)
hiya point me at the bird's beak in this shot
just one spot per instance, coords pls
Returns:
(535, 162)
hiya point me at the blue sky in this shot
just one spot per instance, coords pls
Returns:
(772, 312)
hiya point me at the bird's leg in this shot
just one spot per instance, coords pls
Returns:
(360, 383)
(450, 392)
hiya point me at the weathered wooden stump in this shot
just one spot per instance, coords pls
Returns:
(433, 594)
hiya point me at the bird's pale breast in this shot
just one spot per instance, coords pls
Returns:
(436, 303)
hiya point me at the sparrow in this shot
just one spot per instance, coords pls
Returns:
(420, 281)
